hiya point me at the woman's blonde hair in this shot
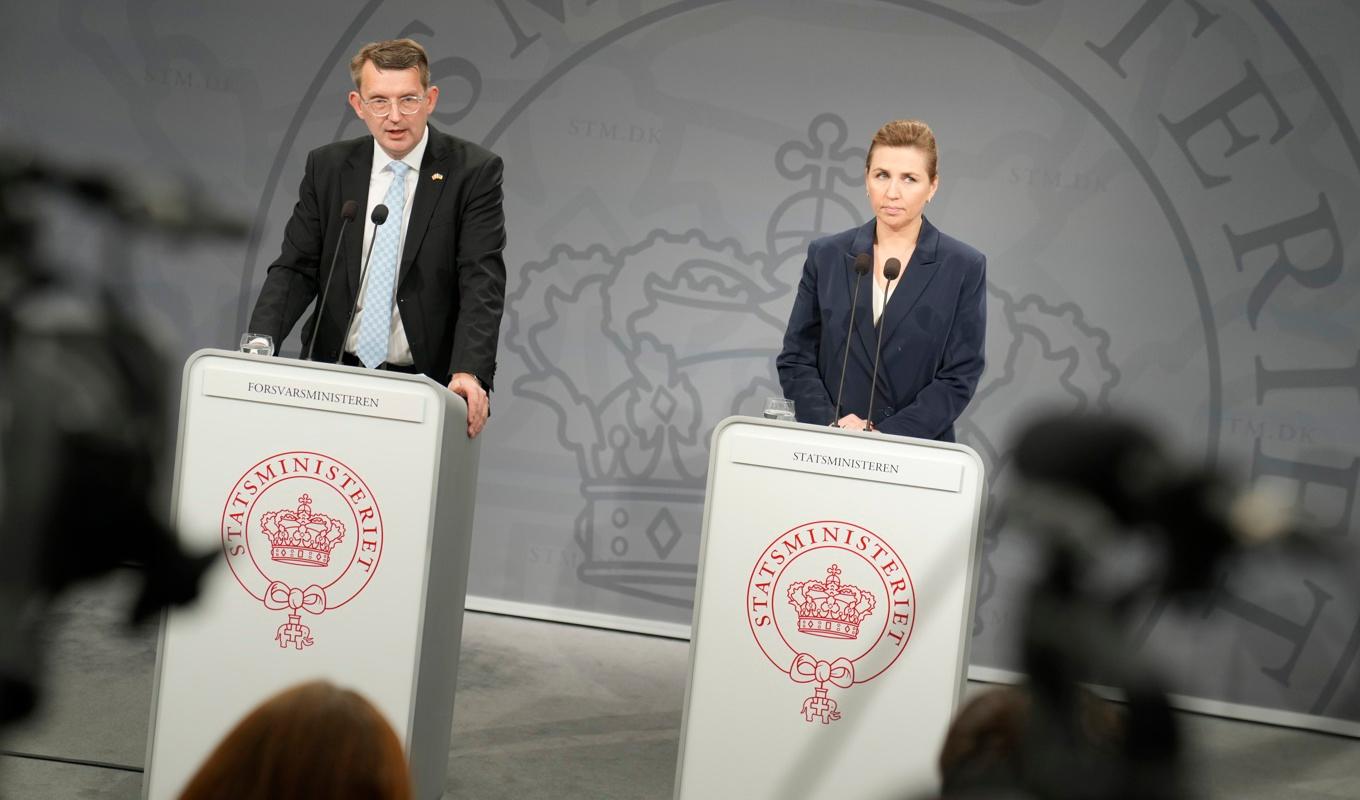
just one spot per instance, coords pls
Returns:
(907, 133)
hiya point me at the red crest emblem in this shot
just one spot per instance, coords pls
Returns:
(830, 604)
(301, 536)
(302, 532)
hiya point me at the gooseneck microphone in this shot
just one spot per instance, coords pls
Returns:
(379, 216)
(348, 212)
(863, 265)
(891, 269)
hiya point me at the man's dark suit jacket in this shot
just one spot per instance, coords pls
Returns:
(933, 330)
(451, 282)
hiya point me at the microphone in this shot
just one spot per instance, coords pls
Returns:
(348, 212)
(891, 269)
(379, 216)
(863, 264)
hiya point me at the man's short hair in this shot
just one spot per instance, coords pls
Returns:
(392, 54)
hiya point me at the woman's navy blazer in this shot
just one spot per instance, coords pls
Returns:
(933, 330)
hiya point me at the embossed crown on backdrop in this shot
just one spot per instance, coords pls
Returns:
(302, 536)
(642, 350)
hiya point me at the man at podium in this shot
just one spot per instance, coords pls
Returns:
(418, 283)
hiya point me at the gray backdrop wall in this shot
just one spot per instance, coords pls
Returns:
(1166, 190)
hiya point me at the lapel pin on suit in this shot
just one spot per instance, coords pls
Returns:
(438, 176)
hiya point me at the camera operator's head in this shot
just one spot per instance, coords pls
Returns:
(989, 749)
(313, 740)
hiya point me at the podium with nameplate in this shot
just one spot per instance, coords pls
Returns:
(341, 501)
(832, 613)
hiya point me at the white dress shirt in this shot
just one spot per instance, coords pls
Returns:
(881, 299)
(379, 180)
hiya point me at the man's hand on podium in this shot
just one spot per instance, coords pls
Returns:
(479, 407)
(852, 422)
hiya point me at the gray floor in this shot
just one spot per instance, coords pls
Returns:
(543, 710)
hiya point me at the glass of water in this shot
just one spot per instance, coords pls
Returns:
(779, 408)
(260, 344)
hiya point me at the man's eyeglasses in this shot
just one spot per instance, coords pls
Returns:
(381, 106)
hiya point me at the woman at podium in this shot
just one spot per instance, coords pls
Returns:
(887, 328)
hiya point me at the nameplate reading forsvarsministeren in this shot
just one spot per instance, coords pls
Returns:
(346, 399)
(870, 463)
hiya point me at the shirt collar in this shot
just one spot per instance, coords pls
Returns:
(412, 159)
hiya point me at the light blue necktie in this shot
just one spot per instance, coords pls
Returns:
(376, 322)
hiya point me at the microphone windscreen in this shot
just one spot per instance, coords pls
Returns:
(349, 210)
(379, 215)
(863, 263)
(892, 268)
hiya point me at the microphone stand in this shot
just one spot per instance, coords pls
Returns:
(379, 216)
(347, 213)
(891, 269)
(863, 264)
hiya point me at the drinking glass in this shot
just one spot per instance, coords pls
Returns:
(779, 408)
(260, 344)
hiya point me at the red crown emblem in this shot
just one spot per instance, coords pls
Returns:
(828, 608)
(301, 536)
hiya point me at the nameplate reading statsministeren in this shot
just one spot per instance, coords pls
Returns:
(871, 464)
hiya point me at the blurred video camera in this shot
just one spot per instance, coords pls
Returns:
(83, 417)
(1121, 528)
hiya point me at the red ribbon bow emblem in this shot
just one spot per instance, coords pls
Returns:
(280, 595)
(806, 669)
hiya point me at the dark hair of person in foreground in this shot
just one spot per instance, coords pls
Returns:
(995, 749)
(313, 740)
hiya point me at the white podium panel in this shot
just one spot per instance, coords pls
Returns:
(341, 502)
(831, 616)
